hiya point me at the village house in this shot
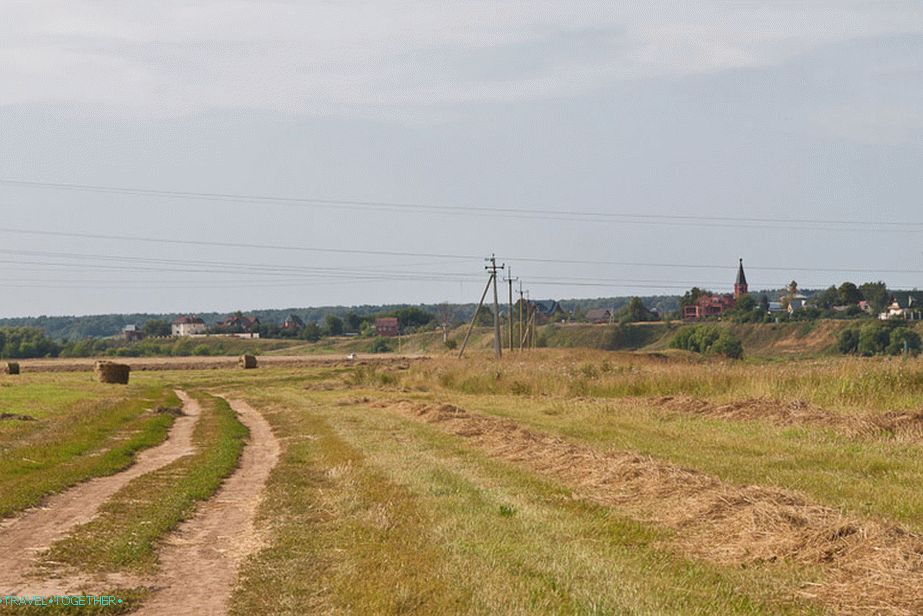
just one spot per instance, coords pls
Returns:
(239, 324)
(132, 333)
(292, 323)
(599, 316)
(895, 311)
(387, 326)
(188, 326)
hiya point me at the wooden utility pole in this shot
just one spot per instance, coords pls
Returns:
(492, 268)
(510, 279)
(474, 318)
(522, 303)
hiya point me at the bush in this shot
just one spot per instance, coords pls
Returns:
(873, 339)
(380, 345)
(848, 341)
(903, 340)
(728, 345)
(451, 344)
(708, 339)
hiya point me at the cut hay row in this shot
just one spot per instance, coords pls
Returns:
(903, 425)
(867, 567)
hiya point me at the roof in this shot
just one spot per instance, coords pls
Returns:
(598, 313)
(547, 306)
(293, 318)
(188, 320)
(130, 328)
(741, 277)
(386, 322)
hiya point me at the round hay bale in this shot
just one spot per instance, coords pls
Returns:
(111, 372)
(12, 367)
(247, 362)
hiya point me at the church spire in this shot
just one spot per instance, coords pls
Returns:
(740, 285)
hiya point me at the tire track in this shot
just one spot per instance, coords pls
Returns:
(24, 538)
(199, 562)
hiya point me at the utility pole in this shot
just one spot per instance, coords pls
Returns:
(522, 303)
(492, 268)
(492, 280)
(510, 279)
(474, 318)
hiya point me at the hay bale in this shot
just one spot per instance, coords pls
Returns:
(11, 367)
(111, 372)
(247, 362)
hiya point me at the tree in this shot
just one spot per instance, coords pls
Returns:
(634, 312)
(873, 339)
(156, 329)
(333, 325)
(311, 332)
(485, 316)
(876, 294)
(826, 299)
(690, 297)
(848, 341)
(903, 340)
(764, 302)
(746, 303)
(353, 322)
(849, 294)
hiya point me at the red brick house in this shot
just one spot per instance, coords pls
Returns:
(387, 326)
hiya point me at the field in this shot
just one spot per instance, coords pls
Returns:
(559, 481)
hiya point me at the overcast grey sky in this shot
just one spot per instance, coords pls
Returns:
(767, 111)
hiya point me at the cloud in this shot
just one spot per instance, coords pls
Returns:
(175, 58)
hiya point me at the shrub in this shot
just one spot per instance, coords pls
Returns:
(873, 339)
(848, 341)
(707, 339)
(728, 345)
(451, 343)
(380, 345)
(903, 340)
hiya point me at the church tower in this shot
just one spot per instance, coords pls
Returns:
(740, 285)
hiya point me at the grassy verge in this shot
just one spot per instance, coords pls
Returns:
(125, 534)
(74, 439)
(372, 513)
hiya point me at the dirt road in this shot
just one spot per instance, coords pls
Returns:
(200, 561)
(24, 538)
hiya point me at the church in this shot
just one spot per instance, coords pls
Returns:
(714, 305)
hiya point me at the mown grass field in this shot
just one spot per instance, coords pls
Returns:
(569, 482)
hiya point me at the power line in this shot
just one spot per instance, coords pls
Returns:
(810, 224)
(390, 253)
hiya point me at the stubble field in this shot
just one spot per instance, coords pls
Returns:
(556, 482)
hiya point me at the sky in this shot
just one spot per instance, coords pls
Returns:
(200, 156)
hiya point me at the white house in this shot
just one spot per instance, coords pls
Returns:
(895, 311)
(188, 326)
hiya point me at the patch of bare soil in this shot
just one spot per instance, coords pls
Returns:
(867, 567)
(902, 425)
(200, 560)
(24, 538)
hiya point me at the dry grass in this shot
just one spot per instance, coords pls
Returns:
(868, 567)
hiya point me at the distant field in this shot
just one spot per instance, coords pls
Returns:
(554, 482)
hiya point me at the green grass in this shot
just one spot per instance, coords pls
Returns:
(75, 436)
(371, 513)
(866, 476)
(126, 533)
